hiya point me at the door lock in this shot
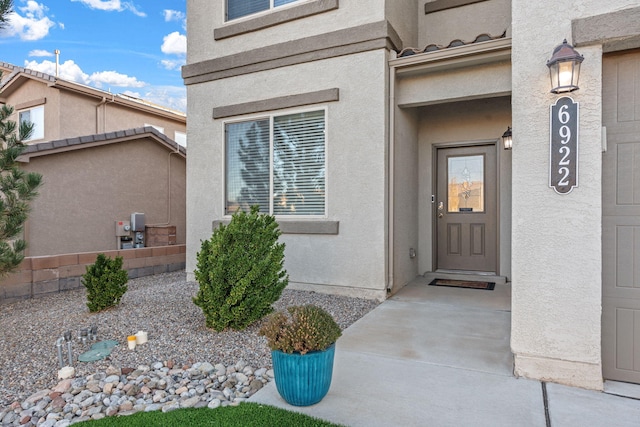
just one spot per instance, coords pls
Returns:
(440, 210)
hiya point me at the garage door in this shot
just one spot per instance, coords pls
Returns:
(621, 218)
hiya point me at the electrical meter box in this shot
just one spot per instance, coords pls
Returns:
(123, 228)
(137, 221)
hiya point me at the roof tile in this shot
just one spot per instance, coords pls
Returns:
(409, 51)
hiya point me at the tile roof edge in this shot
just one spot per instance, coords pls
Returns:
(432, 47)
(107, 137)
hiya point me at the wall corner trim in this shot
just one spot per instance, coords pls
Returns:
(279, 103)
(617, 30)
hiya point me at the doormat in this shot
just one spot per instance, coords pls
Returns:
(487, 286)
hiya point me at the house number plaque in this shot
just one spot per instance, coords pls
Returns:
(563, 165)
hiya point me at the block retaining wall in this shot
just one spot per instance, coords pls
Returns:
(44, 275)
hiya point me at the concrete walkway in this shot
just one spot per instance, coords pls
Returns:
(435, 356)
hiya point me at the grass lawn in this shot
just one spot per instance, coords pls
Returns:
(244, 415)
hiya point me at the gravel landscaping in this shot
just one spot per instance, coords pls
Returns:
(162, 306)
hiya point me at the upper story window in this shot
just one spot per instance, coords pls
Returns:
(34, 115)
(180, 138)
(278, 163)
(240, 8)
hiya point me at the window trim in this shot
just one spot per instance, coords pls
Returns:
(270, 116)
(272, 17)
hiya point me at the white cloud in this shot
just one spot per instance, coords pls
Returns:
(28, 22)
(171, 64)
(68, 70)
(112, 6)
(174, 97)
(40, 53)
(113, 78)
(173, 15)
(174, 44)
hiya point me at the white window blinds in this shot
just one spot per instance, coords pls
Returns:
(247, 166)
(299, 164)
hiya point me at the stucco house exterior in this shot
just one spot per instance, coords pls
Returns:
(372, 130)
(102, 156)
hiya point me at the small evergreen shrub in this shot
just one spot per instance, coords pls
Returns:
(306, 328)
(106, 282)
(240, 271)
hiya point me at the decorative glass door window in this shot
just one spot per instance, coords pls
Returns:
(465, 183)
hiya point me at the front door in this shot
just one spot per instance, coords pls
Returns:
(466, 208)
(621, 218)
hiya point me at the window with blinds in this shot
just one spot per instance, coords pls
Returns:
(240, 8)
(277, 163)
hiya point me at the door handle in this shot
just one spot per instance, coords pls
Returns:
(440, 210)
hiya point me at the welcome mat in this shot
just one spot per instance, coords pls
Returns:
(487, 286)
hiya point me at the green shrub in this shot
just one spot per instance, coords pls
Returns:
(306, 328)
(240, 271)
(106, 282)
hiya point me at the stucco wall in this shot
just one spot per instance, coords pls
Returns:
(85, 191)
(354, 260)
(465, 23)
(556, 305)
(205, 16)
(69, 114)
(406, 215)
(403, 15)
(31, 91)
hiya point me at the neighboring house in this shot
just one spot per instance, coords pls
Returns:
(372, 130)
(91, 182)
(63, 109)
(102, 156)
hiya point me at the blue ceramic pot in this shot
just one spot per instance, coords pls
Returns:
(303, 379)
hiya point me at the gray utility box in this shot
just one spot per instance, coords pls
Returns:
(137, 221)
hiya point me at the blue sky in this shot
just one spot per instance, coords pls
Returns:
(132, 47)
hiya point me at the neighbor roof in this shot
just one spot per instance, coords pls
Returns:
(88, 141)
(20, 74)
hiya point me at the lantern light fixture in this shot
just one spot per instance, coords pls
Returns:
(507, 140)
(564, 68)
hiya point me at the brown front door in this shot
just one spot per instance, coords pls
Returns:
(621, 218)
(466, 208)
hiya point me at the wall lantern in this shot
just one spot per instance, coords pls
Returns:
(507, 141)
(564, 68)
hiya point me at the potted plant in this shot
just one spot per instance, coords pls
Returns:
(302, 344)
